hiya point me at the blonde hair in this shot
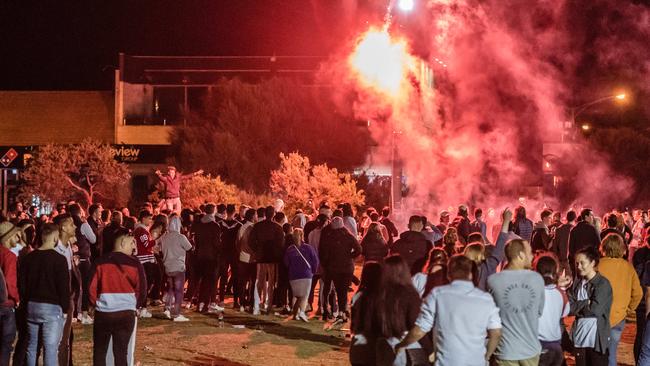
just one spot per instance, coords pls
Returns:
(298, 236)
(612, 246)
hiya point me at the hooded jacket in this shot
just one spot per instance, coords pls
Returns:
(541, 239)
(207, 238)
(582, 235)
(414, 247)
(267, 242)
(338, 248)
(174, 246)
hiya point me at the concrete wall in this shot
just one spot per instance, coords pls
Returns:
(143, 135)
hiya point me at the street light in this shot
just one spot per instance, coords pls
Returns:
(575, 111)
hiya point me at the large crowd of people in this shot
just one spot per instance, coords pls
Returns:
(459, 292)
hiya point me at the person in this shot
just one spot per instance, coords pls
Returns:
(145, 244)
(322, 220)
(172, 183)
(519, 294)
(96, 225)
(174, 246)
(348, 219)
(487, 263)
(541, 239)
(85, 240)
(584, 234)
(108, 234)
(118, 287)
(267, 242)
(522, 225)
(9, 237)
(430, 231)
(45, 287)
(638, 229)
(560, 244)
(389, 224)
(336, 252)
(443, 222)
(461, 316)
(397, 309)
(207, 237)
(373, 245)
(67, 238)
(434, 273)
(462, 224)
(412, 245)
(556, 308)
(362, 322)
(229, 230)
(479, 225)
(246, 263)
(302, 261)
(591, 300)
(626, 287)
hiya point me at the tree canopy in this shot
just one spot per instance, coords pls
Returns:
(243, 127)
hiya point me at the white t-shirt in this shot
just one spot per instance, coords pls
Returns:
(584, 330)
(556, 307)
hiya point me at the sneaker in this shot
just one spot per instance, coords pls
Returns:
(256, 311)
(201, 308)
(242, 309)
(181, 318)
(156, 303)
(216, 307)
(144, 313)
(302, 316)
(167, 314)
(86, 320)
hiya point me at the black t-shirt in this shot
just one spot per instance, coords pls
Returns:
(44, 277)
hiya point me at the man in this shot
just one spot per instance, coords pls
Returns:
(45, 289)
(118, 287)
(389, 224)
(337, 250)
(412, 245)
(460, 315)
(229, 230)
(145, 253)
(560, 245)
(462, 224)
(172, 182)
(67, 238)
(583, 235)
(96, 225)
(374, 218)
(519, 294)
(245, 262)
(9, 237)
(85, 239)
(478, 225)
(207, 238)
(267, 243)
(638, 231)
(612, 222)
(108, 233)
(541, 238)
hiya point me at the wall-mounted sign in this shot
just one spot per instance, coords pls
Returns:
(141, 154)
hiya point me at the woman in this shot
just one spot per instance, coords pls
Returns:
(173, 246)
(434, 273)
(373, 245)
(450, 241)
(397, 310)
(555, 309)
(626, 287)
(591, 301)
(363, 326)
(302, 261)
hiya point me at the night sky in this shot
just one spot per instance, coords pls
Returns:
(49, 45)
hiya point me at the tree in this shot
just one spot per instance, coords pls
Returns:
(243, 127)
(83, 172)
(297, 182)
(204, 188)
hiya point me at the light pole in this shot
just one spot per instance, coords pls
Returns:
(575, 111)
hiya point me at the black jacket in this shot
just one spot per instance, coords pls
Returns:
(597, 306)
(373, 248)
(541, 239)
(207, 237)
(582, 235)
(337, 251)
(414, 247)
(267, 242)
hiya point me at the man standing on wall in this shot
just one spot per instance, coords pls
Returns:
(172, 181)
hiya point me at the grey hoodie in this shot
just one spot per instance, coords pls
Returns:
(174, 246)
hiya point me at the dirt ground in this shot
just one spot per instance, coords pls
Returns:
(265, 340)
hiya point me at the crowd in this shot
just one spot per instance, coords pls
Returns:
(450, 293)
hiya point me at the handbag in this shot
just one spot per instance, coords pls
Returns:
(302, 256)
